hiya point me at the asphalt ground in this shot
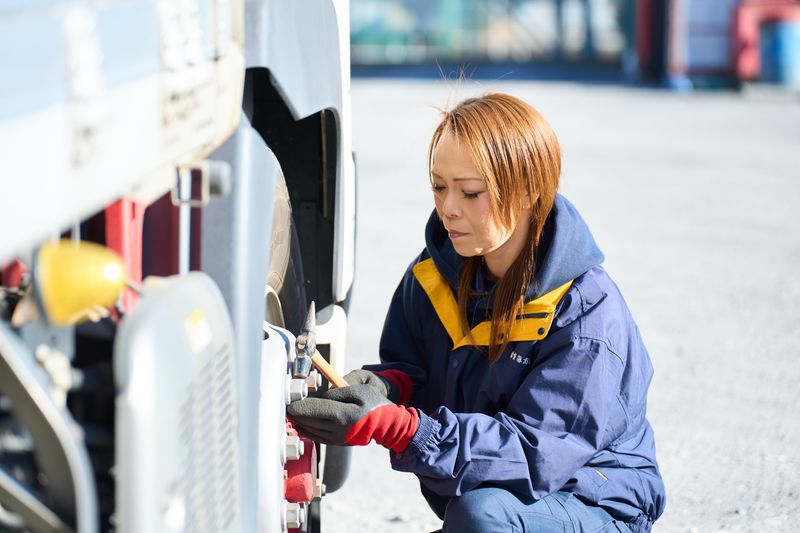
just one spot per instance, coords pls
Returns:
(694, 200)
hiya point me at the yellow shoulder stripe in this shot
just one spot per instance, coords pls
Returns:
(441, 297)
(446, 307)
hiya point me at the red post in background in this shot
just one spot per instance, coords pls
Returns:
(644, 32)
(651, 28)
(748, 17)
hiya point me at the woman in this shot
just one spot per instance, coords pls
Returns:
(513, 380)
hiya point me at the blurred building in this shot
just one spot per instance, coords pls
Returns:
(680, 43)
(413, 31)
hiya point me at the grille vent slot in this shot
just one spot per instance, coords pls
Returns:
(209, 445)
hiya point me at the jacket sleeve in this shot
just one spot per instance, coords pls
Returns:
(553, 425)
(401, 347)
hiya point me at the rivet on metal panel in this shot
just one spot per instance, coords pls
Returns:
(314, 381)
(294, 515)
(294, 448)
(298, 389)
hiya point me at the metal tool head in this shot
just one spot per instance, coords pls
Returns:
(308, 334)
(306, 344)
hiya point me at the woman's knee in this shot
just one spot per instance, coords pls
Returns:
(478, 511)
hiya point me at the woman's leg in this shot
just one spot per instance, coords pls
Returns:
(490, 510)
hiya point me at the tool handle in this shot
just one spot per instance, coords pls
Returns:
(328, 371)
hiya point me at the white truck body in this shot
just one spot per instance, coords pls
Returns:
(112, 101)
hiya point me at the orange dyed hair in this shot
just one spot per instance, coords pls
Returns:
(517, 153)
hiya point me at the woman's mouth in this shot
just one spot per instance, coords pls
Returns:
(455, 234)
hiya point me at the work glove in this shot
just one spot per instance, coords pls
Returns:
(394, 385)
(354, 416)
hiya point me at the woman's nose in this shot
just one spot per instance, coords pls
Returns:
(450, 205)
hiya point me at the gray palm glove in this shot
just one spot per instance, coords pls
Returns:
(379, 383)
(354, 416)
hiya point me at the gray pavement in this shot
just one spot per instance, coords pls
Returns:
(694, 200)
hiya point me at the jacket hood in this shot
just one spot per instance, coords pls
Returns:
(567, 250)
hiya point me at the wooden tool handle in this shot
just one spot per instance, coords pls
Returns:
(328, 371)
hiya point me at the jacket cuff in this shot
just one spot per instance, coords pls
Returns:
(402, 384)
(427, 430)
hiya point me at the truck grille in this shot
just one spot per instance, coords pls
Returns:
(208, 437)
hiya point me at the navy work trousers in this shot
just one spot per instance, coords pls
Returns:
(494, 510)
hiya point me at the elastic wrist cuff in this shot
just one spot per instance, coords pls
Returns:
(426, 431)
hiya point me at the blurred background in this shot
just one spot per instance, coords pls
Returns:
(680, 128)
(679, 43)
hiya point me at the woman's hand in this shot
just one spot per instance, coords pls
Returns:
(354, 416)
(365, 377)
(385, 386)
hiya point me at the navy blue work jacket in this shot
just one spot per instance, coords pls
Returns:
(564, 406)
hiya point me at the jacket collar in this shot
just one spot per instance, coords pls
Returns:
(534, 324)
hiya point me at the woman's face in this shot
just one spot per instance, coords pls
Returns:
(463, 204)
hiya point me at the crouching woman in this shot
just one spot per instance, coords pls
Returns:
(513, 380)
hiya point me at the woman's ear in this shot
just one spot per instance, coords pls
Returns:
(527, 202)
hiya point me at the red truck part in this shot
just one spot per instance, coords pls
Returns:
(124, 223)
(301, 474)
(11, 274)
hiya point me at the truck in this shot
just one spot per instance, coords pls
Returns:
(178, 237)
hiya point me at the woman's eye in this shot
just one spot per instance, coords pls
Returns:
(471, 195)
(437, 188)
